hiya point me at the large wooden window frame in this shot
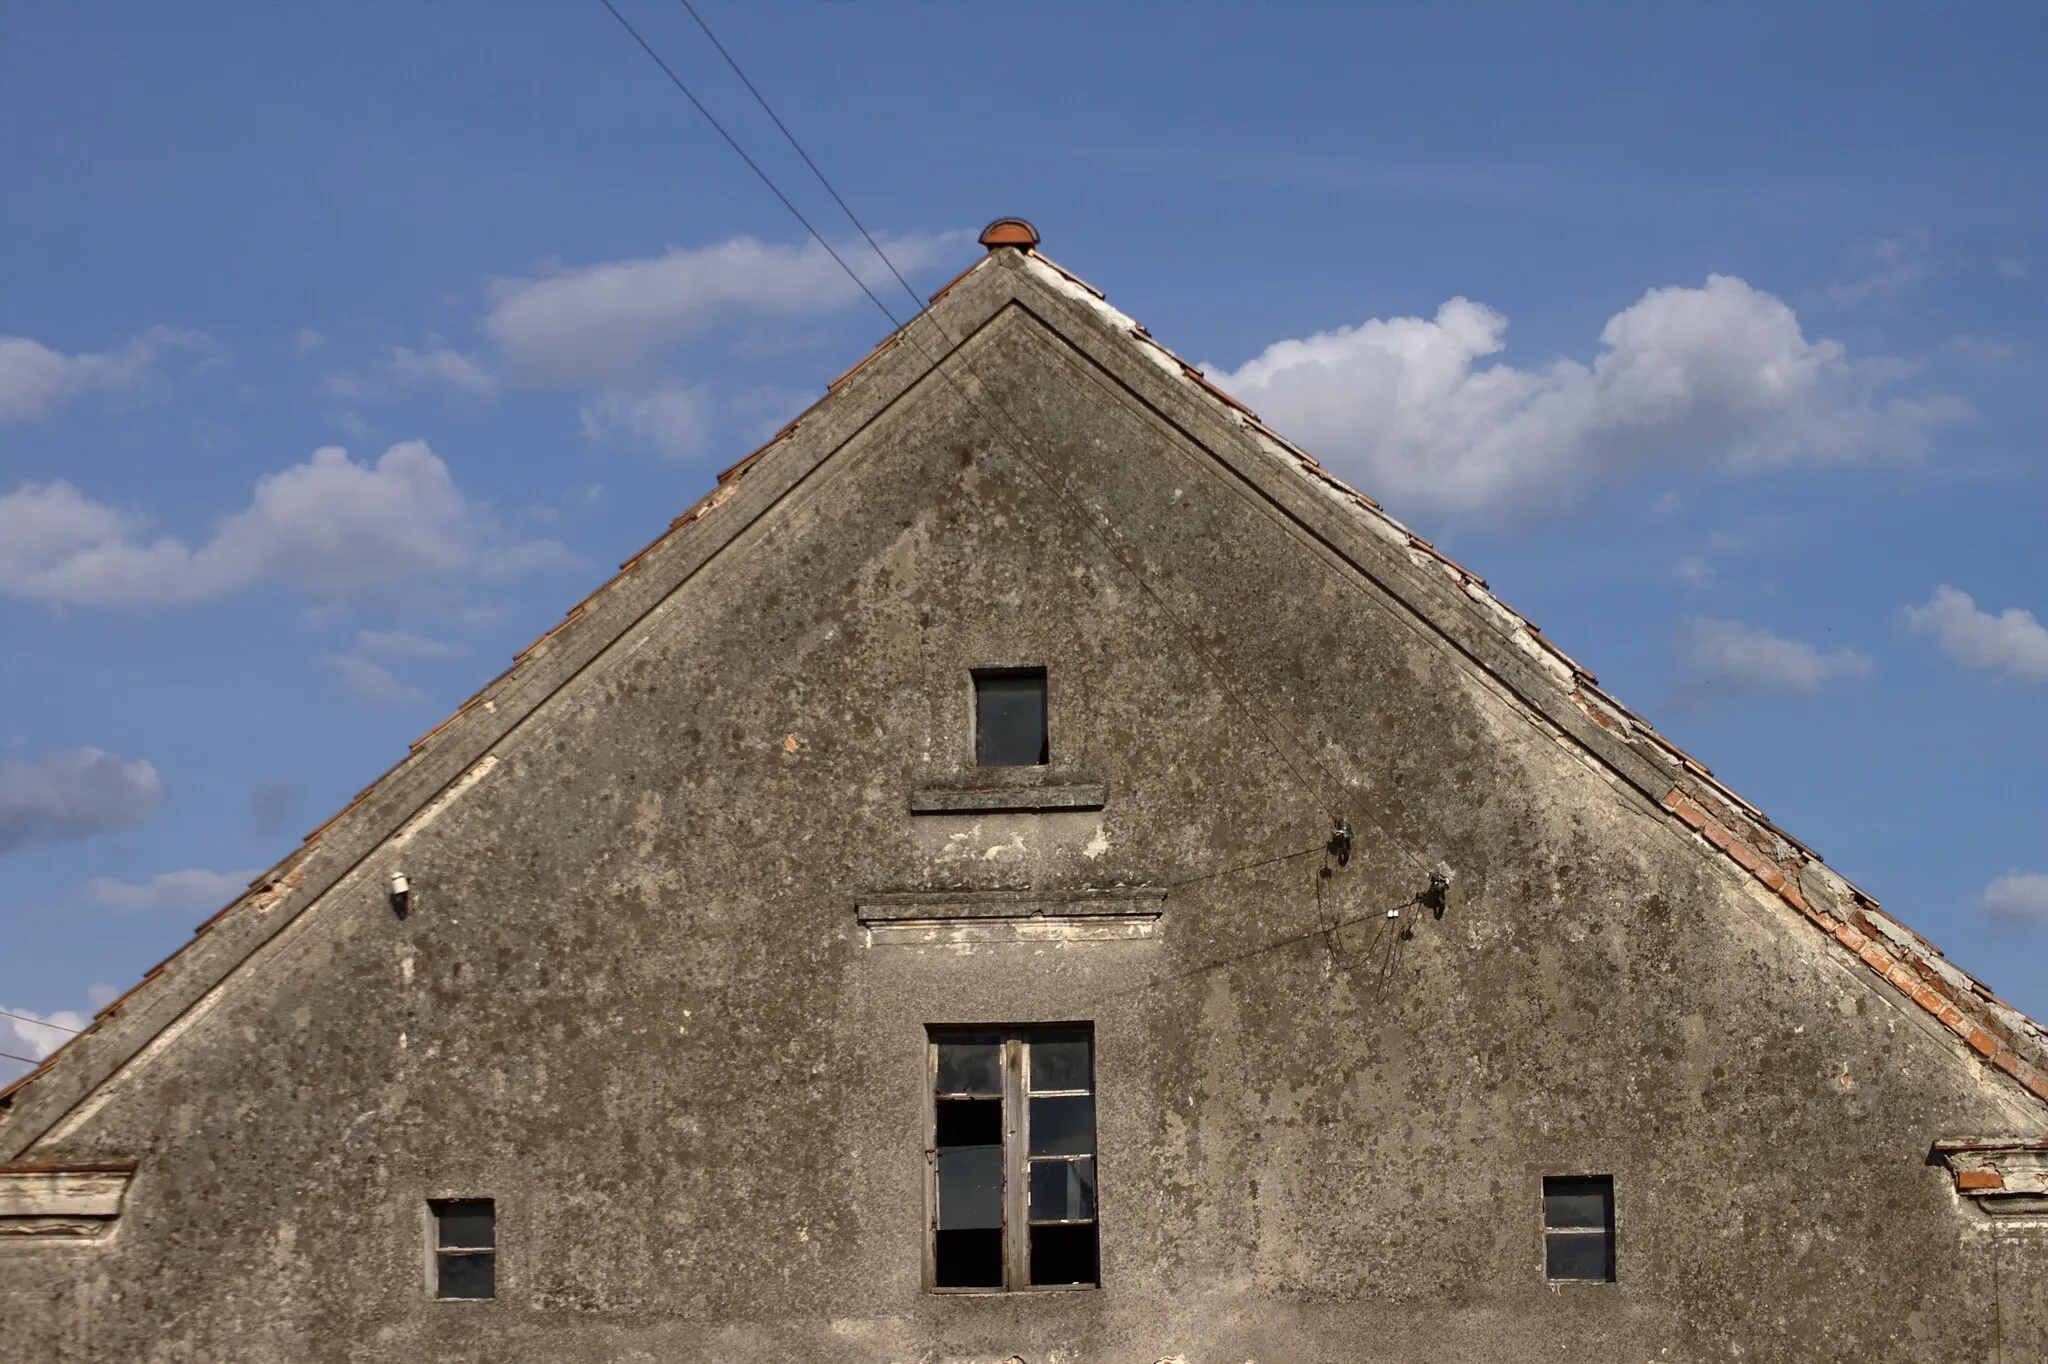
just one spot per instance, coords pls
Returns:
(1017, 1161)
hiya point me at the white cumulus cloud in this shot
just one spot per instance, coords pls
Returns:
(2019, 895)
(1885, 269)
(1720, 376)
(34, 379)
(368, 680)
(73, 793)
(1727, 657)
(442, 366)
(332, 527)
(24, 1032)
(607, 323)
(191, 889)
(2012, 642)
(403, 644)
(672, 418)
(406, 368)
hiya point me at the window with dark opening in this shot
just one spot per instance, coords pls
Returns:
(1013, 1157)
(1009, 718)
(465, 1247)
(1578, 1228)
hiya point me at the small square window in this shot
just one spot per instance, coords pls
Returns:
(1578, 1228)
(1009, 718)
(465, 1247)
(1013, 1158)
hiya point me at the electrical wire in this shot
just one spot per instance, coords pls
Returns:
(27, 1018)
(28, 1059)
(741, 152)
(844, 207)
(1244, 866)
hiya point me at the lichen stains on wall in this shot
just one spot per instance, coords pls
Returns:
(641, 1002)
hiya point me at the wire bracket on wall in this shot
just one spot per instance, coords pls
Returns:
(1340, 842)
(1434, 898)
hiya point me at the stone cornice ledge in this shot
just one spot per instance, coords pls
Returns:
(2005, 1176)
(951, 917)
(993, 799)
(61, 1202)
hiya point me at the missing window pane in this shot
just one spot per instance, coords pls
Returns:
(968, 1259)
(1578, 1228)
(1009, 718)
(1064, 1254)
(969, 1122)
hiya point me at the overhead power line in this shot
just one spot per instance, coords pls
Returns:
(41, 1022)
(752, 165)
(844, 207)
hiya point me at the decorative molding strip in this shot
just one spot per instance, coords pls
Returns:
(978, 800)
(2006, 1176)
(933, 918)
(71, 1202)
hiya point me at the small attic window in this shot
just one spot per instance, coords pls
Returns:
(1578, 1229)
(1009, 718)
(465, 1247)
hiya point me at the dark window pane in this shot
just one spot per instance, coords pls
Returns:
(970, 1187)
(466, 1222)
(971, 1067)
(1579, 1255)
(968, 1259)
(1009, 718)
(969, 1122)
(1060, 1063)
(1063, 1127)
(1586, 1203)
(1063, 1190)
(1063, 1254)
(467, 1275)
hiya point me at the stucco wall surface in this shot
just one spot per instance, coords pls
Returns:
(631, 1001)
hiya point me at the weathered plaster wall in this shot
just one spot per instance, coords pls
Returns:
(632, 1003)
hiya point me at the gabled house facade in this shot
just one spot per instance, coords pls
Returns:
(1031, 867)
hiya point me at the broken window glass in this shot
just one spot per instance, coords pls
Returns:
(1009, 718)
(967, 1144)
(1578, 1228)
(465, 1247)
(1013, 1205)
(1063, 1190)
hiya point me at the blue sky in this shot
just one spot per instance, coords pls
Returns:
(347, 345)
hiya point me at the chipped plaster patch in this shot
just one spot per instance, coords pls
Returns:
(1013, 851)
(444, 800)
